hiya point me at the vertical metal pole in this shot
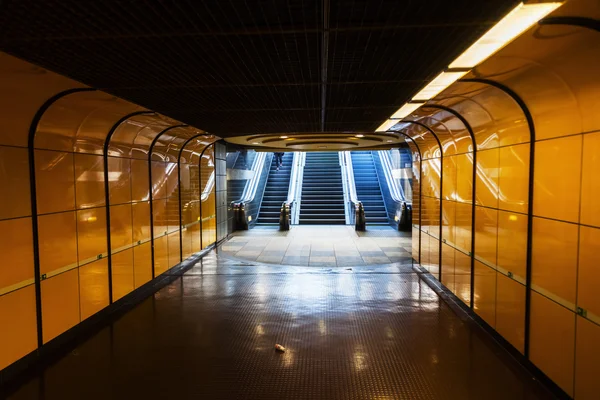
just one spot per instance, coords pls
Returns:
(33, 200)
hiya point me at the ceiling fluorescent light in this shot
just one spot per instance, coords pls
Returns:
(521, 18)
(405, 110)
(441, 82)
(387, 125)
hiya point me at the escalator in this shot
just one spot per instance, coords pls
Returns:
(235, 187)
(368, 190)
(276, 192)
(322, 201)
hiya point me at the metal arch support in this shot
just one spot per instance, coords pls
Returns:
(33, 200)
(581, 22)
(179, 188)
(420, 184)
(470, 130)
(109, 136)
(529, 265)
(441, 191)
(150, 150)
(200, 186)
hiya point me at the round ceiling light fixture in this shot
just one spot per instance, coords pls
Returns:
(360, 135)
(283, 137)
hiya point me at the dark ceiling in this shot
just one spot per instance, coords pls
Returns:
(255, 66)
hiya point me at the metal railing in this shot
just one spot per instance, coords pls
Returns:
(402, 204)
(295, 189)
(355, 212)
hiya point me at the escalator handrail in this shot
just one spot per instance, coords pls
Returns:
(250, 189)
(396, 191)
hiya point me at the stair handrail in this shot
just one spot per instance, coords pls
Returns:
(396, 191)
(355, 213)
(295, 188)
(251, 187)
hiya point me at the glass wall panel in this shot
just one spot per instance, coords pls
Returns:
(93, 287)
(16, 247)
(89, 181)
(462, 270)
(18, 319)
(557, 184)
(91, 234)
(60, 304)
(15, 199)
(448, 267)
(512, 244)
(119, 180)
(486, 235)
(142, 264)
(590, 181)
(554, 259)
(588, 277)
(55, 181)
(552, 335)
(122, 273)
(58, 241)
(587, 356)
(510, 311)
(121, 230)
(485, 293)
(513, 178)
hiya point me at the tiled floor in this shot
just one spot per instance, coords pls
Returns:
(321, 246)
(373, 332)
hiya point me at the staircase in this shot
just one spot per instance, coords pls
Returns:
(322, 191)
(368, 190)
(276, 191)
(235, 187)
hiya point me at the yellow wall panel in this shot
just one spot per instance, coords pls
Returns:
(464, 178)
(434, 256)
(142, 264)
(513, 178)
(424, 249)
(172, 178)
(174, 249)
(161, 255)
(484, 296)
(449, 175)
(552, 340)
(512, 243)
(590, 180)
(121, 233)
(89, 181)
(93, 287)
(18, 319)
(119, 180)
(415, 244)
(141, 221)
(554, 257)
(122, 273)
(16, 247)
(91, 234)
(589, 270)
(449, 221)
(55, 181)
(60, 304)
(587, 384)
(140, 186)
(463, 229)
(15, 200)
(462, 278)
(486, 234)
(557, 178)
(159, 180)
(431, 178)
(187, 242)
(510, 311)
(448, 267)
(487, 178)
(58, 241)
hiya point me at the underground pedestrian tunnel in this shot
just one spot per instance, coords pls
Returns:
(431, 229)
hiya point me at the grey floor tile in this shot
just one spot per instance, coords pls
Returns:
(295, 260)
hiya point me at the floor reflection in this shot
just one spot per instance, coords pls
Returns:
(368, 332)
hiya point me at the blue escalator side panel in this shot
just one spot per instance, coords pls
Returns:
(322, 200)
(368, 188)
(276, 191)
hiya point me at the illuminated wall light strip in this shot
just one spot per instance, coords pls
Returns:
(387, 125)
(517, 21)
(436, 86)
